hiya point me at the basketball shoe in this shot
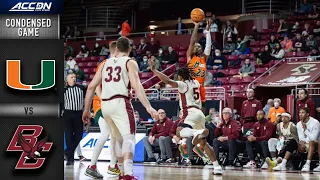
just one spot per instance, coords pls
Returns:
(128, 177)
(93, 172)
(183, 151)
(113, 171)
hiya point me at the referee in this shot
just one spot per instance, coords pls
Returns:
(73, 105)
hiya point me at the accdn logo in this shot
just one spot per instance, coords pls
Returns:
(31, 6)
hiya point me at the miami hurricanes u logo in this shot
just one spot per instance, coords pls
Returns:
(47, 76)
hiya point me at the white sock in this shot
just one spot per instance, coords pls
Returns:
(284, 162)
(105, 132)
(113, 159)
(186, 132)
(128, 163)
(308, 162)
(215, 163)
(121, 168)
(78, 150)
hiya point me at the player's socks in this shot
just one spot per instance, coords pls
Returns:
(128, 163)
(121, 168)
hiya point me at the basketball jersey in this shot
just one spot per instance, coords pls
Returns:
(96, 103)
(115, 78)
(189, 92)
(199, 66)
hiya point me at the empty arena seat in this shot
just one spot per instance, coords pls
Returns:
(255, 49)
(254, 43)
(182, 60)
(88, 70)
(236, 88)
(261, 70)
(226, 87)
(234, 80)
(289, 54)
(91, 76)
(265, 36)
(224, 80)
(232, 57)
(301, 54)
(183, 48)
(91, 64)
(140, 75)
(224, 71)
(146, 75)
(233, 72)
(247, 80)
(81, 65)
(243, 56)
(251, 56)
(182, 53)
(265, 31)
(78, 59)
(101, 58)
(263, 43)
(95, 58)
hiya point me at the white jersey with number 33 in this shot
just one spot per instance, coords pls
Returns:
(115, 78)
(189, 94)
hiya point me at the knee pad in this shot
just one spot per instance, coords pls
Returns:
(129, 143)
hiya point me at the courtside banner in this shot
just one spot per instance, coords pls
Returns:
(31, 7)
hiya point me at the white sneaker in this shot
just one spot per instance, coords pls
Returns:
(306, 168)
(280, 167)
(265, 165)
(198, 134)
(250, 164)
(217, 170)
(317, 169)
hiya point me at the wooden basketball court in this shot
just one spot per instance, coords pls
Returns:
(175, 172)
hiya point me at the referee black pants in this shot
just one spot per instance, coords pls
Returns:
(73, 131)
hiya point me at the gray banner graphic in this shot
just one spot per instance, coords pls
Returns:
(29, 27)
(29, 110)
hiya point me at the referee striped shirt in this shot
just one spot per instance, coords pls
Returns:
(74, 97)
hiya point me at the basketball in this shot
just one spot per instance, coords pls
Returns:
(197, 15)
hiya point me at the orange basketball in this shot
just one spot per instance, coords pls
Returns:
(197, 15)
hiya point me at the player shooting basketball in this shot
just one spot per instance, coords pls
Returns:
(197, 58)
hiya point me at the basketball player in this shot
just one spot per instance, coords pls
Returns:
(193, 119)
(117, 75)
(113, 168)
(197, 58)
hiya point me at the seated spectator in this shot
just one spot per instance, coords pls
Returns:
(306, 30)
(308, 132)
(296, 28)
(71, 62)
(305, 101)
(314, 14)
(277, 109)
(255, 34)
(156, 93)
(138, 119)
(286, 44)
(79, 74)
(104, 50)
(268, 106)
(311, 42)
(218, 61)
(239, 40)
(229, 47)
(84, 51)
(298, 43)
(286, 144)
(227, 132)
(316, 30)
(211, 112)
(160, 56)
(157, 62)
(272, 42)
(230, 31)
(67, 33)
(142, 47)
(153, 46)
(314, 52)
(180, 27)
(215, 25)
(168, 94)
(242, 47)
(159, 137)
(263, 131)
(144, 65)
(246, 70)
(96, 50)
(172, 57)
(68, 50)
(284, 28)
(278, 52)
(265, 56)
(305, 7)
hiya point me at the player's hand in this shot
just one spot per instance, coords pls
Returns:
(209, 22)
(152, 112)
(86, 116)
(221, 139)
(152, 64)
(318, 109)
(196, 24)
(176, 139)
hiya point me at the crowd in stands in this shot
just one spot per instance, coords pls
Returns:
(269, 131)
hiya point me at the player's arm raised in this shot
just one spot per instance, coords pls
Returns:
(96, 81)
(162, 76)
(137, 86)
(207, 49)
(193, 40)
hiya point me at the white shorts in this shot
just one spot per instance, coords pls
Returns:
(195, 118)
(119, 115)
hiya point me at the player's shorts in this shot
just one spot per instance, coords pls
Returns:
(202, 93)
(98, 116)
(195, 118)
(118, 113)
